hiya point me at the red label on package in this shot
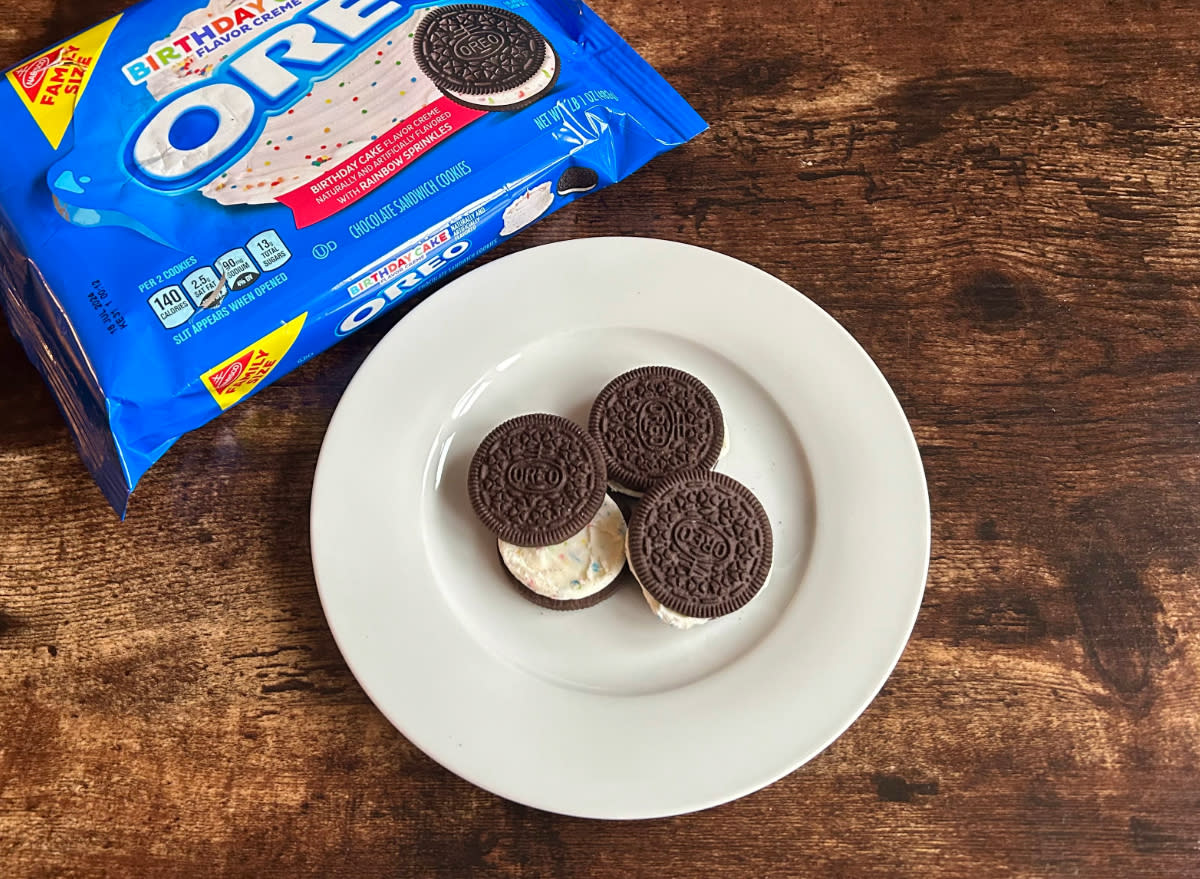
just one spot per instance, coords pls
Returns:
(378, 162)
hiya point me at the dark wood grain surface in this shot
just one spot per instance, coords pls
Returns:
(1001, 201)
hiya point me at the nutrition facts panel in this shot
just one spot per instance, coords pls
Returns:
(207, 286)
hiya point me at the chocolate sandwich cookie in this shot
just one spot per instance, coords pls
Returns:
(654, 421)
(485, 57)
(577, 179)
(700, 545)
(536, 480)
(580, 572)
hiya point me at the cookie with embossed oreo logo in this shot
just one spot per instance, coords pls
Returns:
(536, 480)
(700, 545)
(654, 421)
(485, 57)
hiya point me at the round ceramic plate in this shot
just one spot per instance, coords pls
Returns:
(608, 712)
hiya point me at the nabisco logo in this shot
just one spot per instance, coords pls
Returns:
(235, 377)
(30, 75)
(227, 375)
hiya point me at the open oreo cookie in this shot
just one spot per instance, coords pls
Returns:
(654, 421)
(700, 545)
(579, 572)
(536, 480)
(485, 57)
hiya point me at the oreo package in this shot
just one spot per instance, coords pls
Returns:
(200, 197)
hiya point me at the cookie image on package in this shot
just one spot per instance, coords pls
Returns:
(537, 480)
(700, 546)
(526, 208)
(654, 421)
(579, 572)
(577, 179)
(485, 57)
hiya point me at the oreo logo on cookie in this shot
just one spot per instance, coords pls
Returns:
(658, 423)
(537, 480)
(700, 544)
(535, 476)
(485, 57)
(477, 47)
(655, 421)
(699, 541)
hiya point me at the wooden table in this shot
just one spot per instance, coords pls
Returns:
(1001, 201)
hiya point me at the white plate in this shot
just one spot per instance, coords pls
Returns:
(608, 712)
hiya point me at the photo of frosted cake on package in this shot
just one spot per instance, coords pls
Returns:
(203, 196)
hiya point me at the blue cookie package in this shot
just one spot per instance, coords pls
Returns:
(200, 197)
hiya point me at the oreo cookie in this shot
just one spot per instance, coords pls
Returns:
(700, 545)
(577, 179)
(654, 421)
(485, 57)
(537, 480)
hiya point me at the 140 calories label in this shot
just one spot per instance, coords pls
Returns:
(171, 307)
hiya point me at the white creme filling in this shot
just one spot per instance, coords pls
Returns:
(575, 189)
(669, 617)
(580, 566)
(633, 492)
